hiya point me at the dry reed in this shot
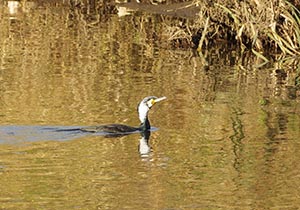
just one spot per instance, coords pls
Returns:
(262, 26)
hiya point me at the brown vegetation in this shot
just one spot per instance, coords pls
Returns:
(262, 26)
(258, 24)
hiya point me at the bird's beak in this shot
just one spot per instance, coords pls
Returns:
(159, 99)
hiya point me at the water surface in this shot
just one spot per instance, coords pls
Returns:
(227, 138)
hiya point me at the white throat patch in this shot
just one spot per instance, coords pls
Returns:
(143, 112)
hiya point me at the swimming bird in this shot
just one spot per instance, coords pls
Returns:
(143, 108)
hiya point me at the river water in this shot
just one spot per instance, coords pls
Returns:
(227, 137)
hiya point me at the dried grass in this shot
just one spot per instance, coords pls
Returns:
(259, 25)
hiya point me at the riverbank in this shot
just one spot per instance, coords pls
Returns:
(268, 29)
(262, 26)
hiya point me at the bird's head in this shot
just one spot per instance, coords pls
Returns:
(146, 104)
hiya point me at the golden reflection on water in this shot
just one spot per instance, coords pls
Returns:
(217, 146)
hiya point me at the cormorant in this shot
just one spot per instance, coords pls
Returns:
(143, 109)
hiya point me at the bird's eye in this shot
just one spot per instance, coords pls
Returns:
(150, 103)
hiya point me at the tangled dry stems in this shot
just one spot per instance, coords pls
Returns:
(259, 25)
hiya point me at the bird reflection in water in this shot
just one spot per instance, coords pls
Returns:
(144, 144)
(144, 147)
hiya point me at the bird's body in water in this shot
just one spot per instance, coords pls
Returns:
(143, 109)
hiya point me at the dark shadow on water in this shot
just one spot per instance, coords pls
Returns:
(14, 134)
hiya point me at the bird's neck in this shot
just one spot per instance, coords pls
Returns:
(143, 116)
(145, 125)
